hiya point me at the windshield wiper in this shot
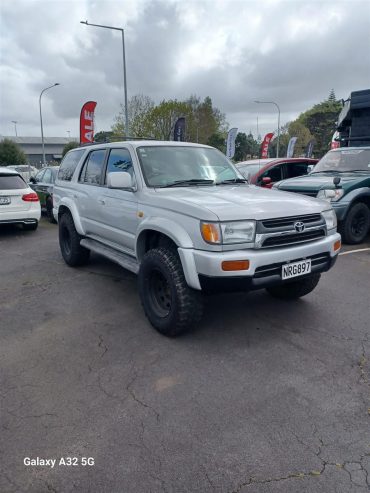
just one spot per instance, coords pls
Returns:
(231, 181)
(194, 181)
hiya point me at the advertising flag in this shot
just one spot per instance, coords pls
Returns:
(291, 146)
(179, 130)
(309, 148)
(265, 145)
(230, 143)
(334, 144)
(87, 122)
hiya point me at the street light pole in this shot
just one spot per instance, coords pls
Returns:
(15, 127)
(278, 136)
(124, 66)
(42, 129)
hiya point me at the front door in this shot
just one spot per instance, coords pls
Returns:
(118, 211)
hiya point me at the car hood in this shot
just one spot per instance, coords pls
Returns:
(228, 202)
(316, 182)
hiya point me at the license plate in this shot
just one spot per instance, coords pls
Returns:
(295, 269)
(4, 200)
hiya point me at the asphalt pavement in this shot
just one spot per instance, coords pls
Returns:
(264, 396)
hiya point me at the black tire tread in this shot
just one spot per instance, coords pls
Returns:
(345, 226)
(79, 255)
(189, 301)
(296, 289)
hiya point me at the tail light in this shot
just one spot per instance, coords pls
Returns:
(30, 197)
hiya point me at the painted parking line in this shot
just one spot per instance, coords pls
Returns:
(355, 251)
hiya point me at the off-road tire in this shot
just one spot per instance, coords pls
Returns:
(356, 225)
(69, 241)
(174, 307)
(30, 227)
(295, 289)
(49, 211)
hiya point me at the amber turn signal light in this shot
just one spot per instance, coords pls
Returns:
(235, 265)
(210, 232)
(337, 245)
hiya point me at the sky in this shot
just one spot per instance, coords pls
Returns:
(235, 51)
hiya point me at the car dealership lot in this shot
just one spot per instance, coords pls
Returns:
(265, 396)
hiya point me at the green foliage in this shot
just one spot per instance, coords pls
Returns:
(11, 153)
(287, 131)
(157, 121)
(332, 97)
(246, 147)
(321, 122)
(70, 145)
(217, 140)
(103, 136)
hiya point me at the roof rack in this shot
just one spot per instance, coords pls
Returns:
(109, 141)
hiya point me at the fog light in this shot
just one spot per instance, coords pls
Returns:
(337, 245)
(235, 265)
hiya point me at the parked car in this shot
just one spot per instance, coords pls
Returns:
(182, 217)
(25, 170)
(266, 172)
(19, 204)
(342, 177)
(43, 184)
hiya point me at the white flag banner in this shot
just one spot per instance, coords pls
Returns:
(291, 145)
(230, 143)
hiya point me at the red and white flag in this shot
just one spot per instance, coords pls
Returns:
(87, 122)
(265, 145)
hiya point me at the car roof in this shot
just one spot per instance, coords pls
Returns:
(6, 171)
(261, 162)
(353, 148)
(140, 143)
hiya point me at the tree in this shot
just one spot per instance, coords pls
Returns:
(162, 118)
(139, 107)
(321, 122)
(11, 153)
(70, 145)
(218, 140)
(245, 147)
(332, 97)
(103, 136)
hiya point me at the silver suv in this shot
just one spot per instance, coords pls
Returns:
(185, 220)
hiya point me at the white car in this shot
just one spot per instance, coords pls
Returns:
(18, 202)
(25, 170)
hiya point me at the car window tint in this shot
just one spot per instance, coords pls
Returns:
(296, 169)
(69, 164)
(47, 176)
(93, 167)
(119, 160)
(12, 182)
(273, 173)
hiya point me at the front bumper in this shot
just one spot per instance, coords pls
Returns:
(202, 269)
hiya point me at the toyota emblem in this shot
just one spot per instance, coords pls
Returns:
(299, 226)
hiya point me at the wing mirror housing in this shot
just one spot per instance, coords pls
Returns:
(266, 180)
(120, 179)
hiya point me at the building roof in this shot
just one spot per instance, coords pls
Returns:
(38, 141)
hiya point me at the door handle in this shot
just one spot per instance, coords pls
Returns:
(101, 201)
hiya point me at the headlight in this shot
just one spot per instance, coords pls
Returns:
(330, 219)
(229, 232)
(331, 194)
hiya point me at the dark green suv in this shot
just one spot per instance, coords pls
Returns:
(342, 177)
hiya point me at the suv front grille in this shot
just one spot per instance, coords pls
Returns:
(320, 259)
(293, 238)
(289, 221)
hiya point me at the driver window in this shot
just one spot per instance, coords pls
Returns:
(119, 160)
(274, 173)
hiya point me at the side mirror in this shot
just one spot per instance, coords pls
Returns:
(120, 179)
(266, 180)
(32, 179)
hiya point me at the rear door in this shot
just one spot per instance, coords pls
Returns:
(12, 189)
(42, 186)
(89, 191)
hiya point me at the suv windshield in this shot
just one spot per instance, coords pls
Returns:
(344, 160)
(165, 166)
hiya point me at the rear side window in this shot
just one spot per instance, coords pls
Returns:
(296, 169)
(93, 167)
(12, 182)
(69, 164)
